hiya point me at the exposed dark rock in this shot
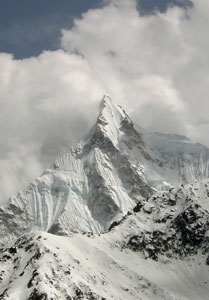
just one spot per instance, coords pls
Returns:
(30, 283)
(4, 294)
(12, 250)
(116, 223)
(36, 295)
(29, 247)
(184, 236)
(138, 207)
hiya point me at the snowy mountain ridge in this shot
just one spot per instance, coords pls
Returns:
(116, 166)
(150, 254)
(123, 215)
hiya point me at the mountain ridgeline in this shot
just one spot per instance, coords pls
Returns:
(102, 178)
(122, 215)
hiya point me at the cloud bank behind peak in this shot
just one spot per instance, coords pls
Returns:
(155, 66)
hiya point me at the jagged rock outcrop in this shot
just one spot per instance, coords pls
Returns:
(177, 223)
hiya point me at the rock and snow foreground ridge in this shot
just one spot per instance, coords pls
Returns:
(155, 252)
(123, 215)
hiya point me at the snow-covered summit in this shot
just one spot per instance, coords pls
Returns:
(110, 120)
(102, 178)
(154, 244)
(111, 113)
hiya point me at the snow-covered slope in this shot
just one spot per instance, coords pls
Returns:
(134, 229)
(45, 266)
(158, 251)
(181, 160)
(117, 165)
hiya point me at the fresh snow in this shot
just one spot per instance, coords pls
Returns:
(101, 179)
(123, 215)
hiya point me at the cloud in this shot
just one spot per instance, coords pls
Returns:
(153, 65)
(47, 102)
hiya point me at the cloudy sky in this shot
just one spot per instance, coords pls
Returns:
(58, 58)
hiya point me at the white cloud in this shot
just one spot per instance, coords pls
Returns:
(47, 102)
(153, 65)
(151, 61)
(129, 53)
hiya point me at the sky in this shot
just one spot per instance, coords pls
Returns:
(58, 59)
(29, 27)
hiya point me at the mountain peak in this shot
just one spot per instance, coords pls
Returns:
(102, 178)
(110, 110)
(110, 120)
(106, 100)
